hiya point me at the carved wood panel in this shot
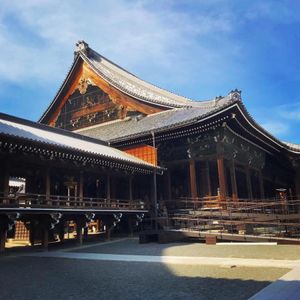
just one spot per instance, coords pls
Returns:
(88, 106)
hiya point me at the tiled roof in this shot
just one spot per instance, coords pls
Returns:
(32, 131)
(134, 86)
(135, 126)
(293, 147)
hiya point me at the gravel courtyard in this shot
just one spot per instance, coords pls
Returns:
(32, 277)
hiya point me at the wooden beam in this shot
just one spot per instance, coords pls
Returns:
(89, 110)
(193, 181)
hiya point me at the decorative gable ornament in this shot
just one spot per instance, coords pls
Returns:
(83, 85)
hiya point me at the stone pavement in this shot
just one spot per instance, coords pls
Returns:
(184, 260)
(285, 288)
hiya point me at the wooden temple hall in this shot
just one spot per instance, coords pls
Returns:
(112, 150)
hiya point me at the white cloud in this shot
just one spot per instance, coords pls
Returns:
(276, 128)
(290, 112)
(132, 33)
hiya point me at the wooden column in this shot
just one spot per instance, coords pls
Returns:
(81, 187)
(261, 185)
(108, 231)
(3, 235)
(169, 189)
(79, 236)
(233, 181)
(193, 182)
(86, 233)
(61, 232)
(108, 187)
(48, 185)
(45, 238)
(207, 178)
(222, 181)
(249, 185)
(130, 225)
(130, 188)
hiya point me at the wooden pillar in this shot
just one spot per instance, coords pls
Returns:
(81, 187)
(3, 235)
(168, 183)
(130, 225)
(249, 185)
(261, 185)
(79, 236)
(130, 188)
(207, 178)
(108, 179)
(62, 232)
(108, 231)
(45, 238)
(48, 185)
(193, 182)
(86, 233)
(233, 181)
(222, 180)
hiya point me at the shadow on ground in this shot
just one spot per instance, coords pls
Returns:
(57, 278)
(51, 278)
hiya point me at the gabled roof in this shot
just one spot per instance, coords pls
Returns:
(180, 111)
(31, 131)
(134, 86)
(127, 83)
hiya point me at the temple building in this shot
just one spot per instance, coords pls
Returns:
(209, 148)
(108, 135)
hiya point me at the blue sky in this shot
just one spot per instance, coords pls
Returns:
(199, 49)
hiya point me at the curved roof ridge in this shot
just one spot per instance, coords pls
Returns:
(292, 146)
(135, 86)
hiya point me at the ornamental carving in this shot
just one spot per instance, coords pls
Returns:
(83, 85)
(87, 106)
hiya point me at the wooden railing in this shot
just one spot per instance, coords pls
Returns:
(27, 200)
